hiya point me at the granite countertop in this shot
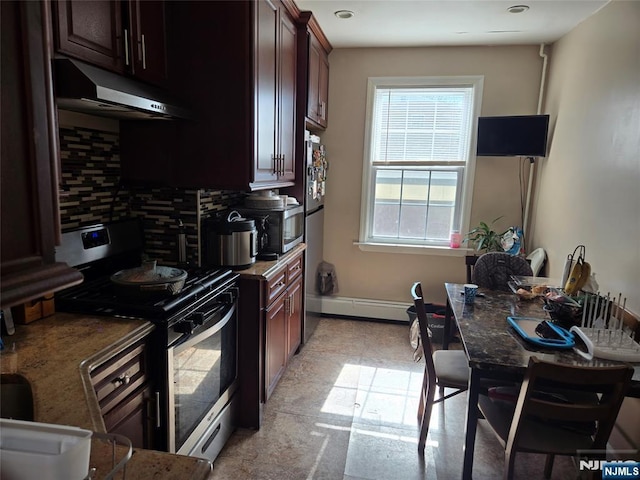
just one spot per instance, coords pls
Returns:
(264, 269)
(55, 355)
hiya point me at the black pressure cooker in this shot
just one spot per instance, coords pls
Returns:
(231, 241)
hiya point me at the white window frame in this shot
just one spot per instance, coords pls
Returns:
(365, 242)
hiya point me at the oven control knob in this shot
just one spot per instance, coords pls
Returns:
(226, 297)
(196, 318)
(185, 326)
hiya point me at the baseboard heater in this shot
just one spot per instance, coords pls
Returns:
(360, 308)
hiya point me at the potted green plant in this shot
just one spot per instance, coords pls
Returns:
(485, 238)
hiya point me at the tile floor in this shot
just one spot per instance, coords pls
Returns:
(346, 410)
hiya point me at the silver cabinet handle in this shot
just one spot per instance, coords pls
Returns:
(123, 380)
(323, 106)
(278, 164)
(144, 54)
(126, 47)
(158, 410)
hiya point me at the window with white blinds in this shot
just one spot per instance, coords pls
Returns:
(422, 124)
(418, 166)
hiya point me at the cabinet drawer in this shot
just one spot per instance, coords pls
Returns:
(114, 380)
(294, 269)
(276, 285)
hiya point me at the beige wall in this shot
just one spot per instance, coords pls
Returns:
(589, 186)
(511, 86)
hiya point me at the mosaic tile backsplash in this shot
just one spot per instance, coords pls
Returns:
(90, 193)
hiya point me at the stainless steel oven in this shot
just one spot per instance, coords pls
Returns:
(194, 347)
(202, 358)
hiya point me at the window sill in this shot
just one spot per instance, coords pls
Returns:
(414, 249)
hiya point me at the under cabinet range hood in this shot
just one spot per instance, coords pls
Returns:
(87, 89)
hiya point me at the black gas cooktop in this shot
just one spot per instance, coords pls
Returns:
(99, 297)
(101, 250)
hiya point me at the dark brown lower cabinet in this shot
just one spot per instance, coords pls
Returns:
(125, 394)
(131, 414)
(294, 316)
(270, 331)
(275, 343)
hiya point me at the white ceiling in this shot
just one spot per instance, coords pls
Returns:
(414, 23)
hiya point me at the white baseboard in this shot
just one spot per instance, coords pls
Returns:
(360, 307)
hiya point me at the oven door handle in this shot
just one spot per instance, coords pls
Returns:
(206, 316)
(191, 339)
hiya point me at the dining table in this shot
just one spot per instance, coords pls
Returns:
(495, 350)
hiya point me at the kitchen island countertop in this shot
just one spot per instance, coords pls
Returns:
(54, 353)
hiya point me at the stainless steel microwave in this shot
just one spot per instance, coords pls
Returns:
(279, 230)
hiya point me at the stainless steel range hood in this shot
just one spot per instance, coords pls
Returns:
(84, 88)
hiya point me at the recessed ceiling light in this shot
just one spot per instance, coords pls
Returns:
(518, 8)
(344, 14)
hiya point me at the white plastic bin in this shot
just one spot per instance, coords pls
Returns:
(43, 451)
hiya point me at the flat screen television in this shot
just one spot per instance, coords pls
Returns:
(516, 135)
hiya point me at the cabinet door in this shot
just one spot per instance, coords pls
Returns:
(124, 393)
(287, 99)
(148, 37)
(275, 344)
(315, 52)
(91, 31)
(133, 419)
(265, 125)
(294, 317)
(29, 196)
(323, 88)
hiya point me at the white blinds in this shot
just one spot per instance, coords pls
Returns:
(421, 124)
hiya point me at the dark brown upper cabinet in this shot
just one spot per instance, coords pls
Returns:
(125, 37)
(237, 64)
(274, 95)
(91, 31)
(29, 195)
(317, 49)
(148, 40)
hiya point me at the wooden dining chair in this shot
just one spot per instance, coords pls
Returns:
(442, 368)
(558, 410)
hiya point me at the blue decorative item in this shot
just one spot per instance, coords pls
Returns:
(511, 240)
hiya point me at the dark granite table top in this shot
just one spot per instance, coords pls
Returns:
(493, 346)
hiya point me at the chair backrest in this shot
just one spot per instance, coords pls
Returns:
(494, 269)
(423, 322)
(609, 383)
(536, 260)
